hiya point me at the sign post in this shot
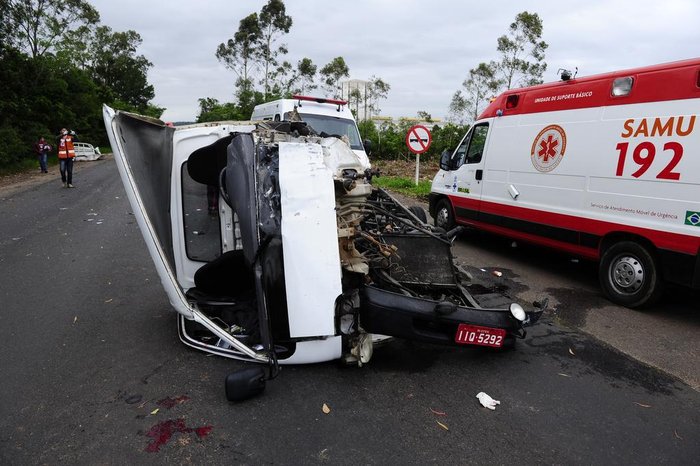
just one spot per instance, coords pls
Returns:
(418, 140)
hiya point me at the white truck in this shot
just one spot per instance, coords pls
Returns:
(328, 117)
(605, 167)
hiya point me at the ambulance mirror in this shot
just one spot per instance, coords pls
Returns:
(445, 159)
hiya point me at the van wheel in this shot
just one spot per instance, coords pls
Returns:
(629, 276)
(419, 212)
(444, 218)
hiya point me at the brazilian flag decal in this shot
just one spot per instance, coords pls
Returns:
(692, 218)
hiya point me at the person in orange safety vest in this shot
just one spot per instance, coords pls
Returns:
(66, 154)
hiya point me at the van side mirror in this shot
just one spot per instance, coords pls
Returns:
(368, 146)
(445, 160)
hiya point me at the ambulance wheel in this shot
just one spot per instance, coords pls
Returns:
(419, 213)
(444, 217)
(629, 276)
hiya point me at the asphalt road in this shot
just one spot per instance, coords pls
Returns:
(93, 372)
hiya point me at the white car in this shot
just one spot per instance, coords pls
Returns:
(85, 152)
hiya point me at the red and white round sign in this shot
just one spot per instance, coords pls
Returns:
(548, 148)
(418, 139)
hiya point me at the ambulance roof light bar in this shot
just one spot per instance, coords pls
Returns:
(319, 100)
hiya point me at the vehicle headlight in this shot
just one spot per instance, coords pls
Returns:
(518, 312)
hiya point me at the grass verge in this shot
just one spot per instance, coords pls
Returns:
(404, 186)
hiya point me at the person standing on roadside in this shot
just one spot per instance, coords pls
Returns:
(42, 151)
(66, 154)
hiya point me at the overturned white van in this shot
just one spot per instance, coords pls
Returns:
(304, 260)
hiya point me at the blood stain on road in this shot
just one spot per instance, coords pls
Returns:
(162, 432)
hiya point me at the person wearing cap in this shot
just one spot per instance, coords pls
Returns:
(66, 154)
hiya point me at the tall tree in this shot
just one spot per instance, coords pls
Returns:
(479, 87)
(41, 24)
(522, 51)
(332, 73)
(112, 61)
(238, 54)
(273, 22)
(457, 108)
(117, 66)
(377, 89)
(306, 71)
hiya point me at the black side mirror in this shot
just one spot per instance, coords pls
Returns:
(445, 159)
(245, 383)
(368, 146)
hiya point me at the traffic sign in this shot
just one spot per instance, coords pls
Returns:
(418, 139)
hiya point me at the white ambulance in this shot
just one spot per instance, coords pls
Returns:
(605, 167)
(328, 117)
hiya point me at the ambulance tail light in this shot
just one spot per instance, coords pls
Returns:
(622, 86)
(512, 101)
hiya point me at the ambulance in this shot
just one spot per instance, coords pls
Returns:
(605, 167)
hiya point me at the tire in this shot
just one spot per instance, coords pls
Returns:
(444, 215)
(419, 212)
(629, 275)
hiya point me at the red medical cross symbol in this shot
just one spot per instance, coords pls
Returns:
(548, 148)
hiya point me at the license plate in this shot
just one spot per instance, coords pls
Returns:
(482, 336)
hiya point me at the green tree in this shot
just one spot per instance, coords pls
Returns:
(306, 72)
(331, 74)
(116, 66)
(238, 54)
(458, 108)
(41, 24)
(425, 116)
(211, 110)
(111, 59)
(522, 51)
(479, 87)
(377, 89)
(273, 23)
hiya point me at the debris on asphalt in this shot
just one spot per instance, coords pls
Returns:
(326, 409)
(442, 425)
(572, 352)
(563, 375)
(155, 411)
(439, 413)
(675, 432)
(75, 319)
(497, 273)
(642, 405)
(486, 401)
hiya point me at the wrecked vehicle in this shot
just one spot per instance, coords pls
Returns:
(301, 259)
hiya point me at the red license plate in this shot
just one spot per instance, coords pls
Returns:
(482, 336)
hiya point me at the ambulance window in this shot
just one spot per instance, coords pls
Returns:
(471, 147)
(622, 86)
(477, 143)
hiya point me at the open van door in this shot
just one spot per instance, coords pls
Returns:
(143, 151)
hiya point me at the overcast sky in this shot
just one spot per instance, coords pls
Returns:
(423, 49)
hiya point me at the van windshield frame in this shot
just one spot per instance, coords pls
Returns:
(326, 125)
